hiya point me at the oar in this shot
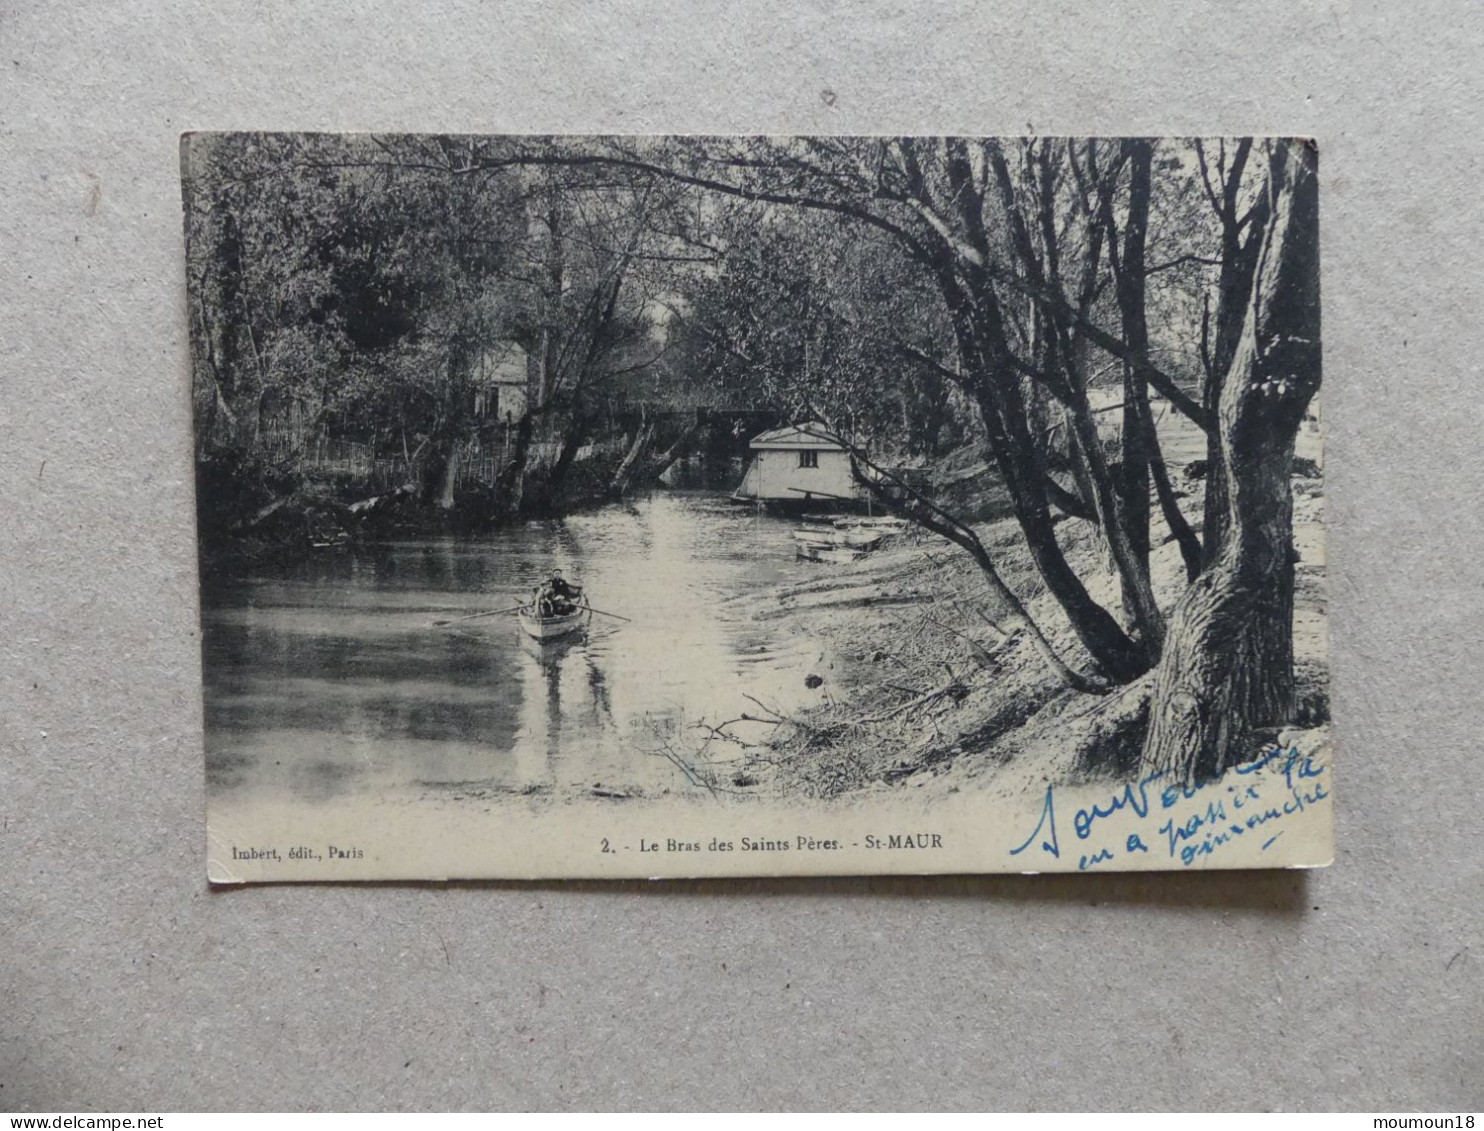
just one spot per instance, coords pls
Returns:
(476, 616)
(615, 616)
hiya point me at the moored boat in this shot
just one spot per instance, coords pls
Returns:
(858, 539)
(834, 555)
(832, 536)
(882, 525)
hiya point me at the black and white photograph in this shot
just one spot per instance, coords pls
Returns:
(668, 506)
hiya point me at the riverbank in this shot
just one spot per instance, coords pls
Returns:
(247, 518)
(923, 691)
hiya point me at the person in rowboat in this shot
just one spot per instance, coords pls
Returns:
(556, 597)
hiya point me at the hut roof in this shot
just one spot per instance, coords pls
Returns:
(504, 364)
(810, 435)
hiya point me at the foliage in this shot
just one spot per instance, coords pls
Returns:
(1040, 295)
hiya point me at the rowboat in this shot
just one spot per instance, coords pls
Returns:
(884, 525)
(538, 627)
(835, 555)
(832, 536)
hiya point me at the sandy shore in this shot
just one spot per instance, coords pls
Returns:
(923, 692)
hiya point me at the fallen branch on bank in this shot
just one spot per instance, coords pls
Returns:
(955, 688)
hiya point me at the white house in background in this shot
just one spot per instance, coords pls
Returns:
(503, 373)
(798, 463)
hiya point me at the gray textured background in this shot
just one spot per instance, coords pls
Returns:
(125, 983)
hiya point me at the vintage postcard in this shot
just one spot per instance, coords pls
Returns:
(724, 506)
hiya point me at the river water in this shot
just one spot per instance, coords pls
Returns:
(330, 683)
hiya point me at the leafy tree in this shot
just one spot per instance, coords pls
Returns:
(355, 286)
(1016, 249)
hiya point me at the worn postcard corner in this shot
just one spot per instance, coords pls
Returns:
(719, 506)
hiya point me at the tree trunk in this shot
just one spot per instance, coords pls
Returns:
(1148, 624)
(1227, 669)
(550, 308)
(229, 276)
(1081, 474)
(1234, 288)
(1133, 575)
(1132, 483)
(1099, 633)
(510, 486)
(1190, 545)
(988, 376)
(667, 458)
(449, 475)
(621, 478)
(1218, 501)
(572, 442)
(221, 407)
(1138, 423)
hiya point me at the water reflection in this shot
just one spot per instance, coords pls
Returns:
(330, 681)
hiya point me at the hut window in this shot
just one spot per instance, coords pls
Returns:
(808, 459)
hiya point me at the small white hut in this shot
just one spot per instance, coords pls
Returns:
(503, 377)
(798, 463)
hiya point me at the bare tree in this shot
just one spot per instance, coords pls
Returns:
(1227, 669)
